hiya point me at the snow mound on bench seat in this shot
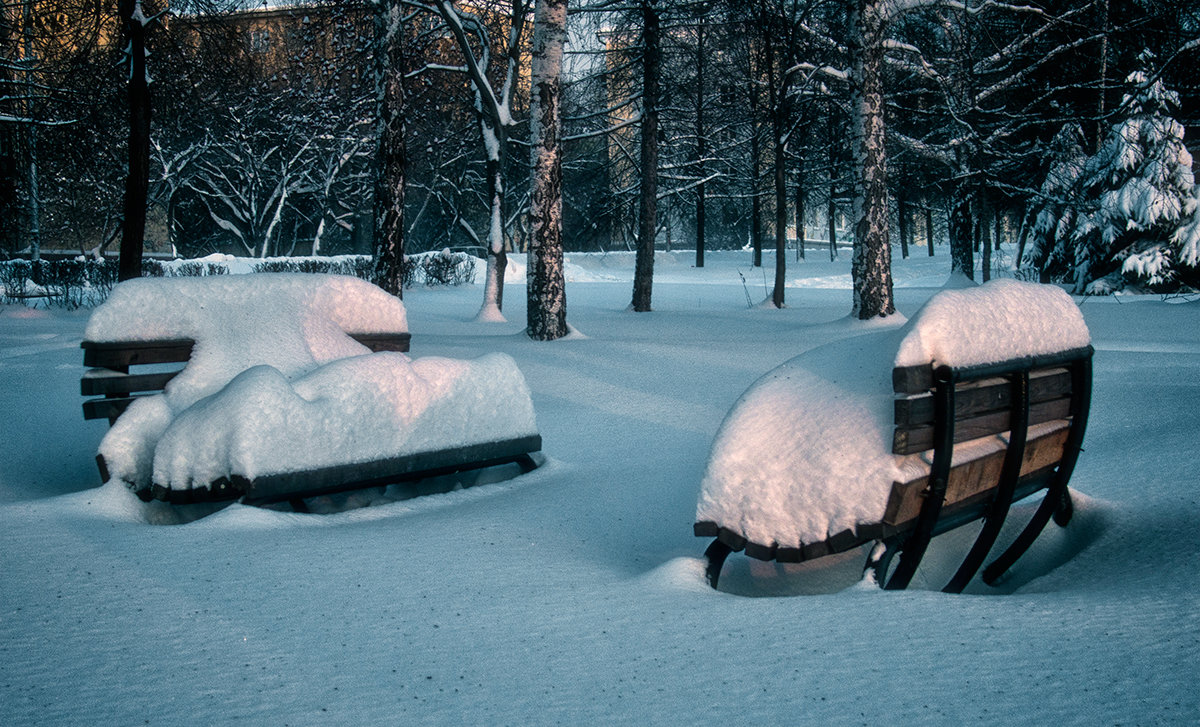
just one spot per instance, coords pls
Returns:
(806, 453)
(291, 321)
(354, 410)
(275, 384)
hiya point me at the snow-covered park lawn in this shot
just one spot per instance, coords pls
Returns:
(575, 594)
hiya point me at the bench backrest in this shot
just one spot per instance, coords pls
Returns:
(109, 363)
(982, 398)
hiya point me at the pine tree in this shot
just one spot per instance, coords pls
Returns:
(1139, 197)
(1052, 215)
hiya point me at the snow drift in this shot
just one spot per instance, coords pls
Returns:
(275, 383)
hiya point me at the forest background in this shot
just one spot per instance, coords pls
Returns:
(685, 124)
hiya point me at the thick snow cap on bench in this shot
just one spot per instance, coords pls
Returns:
(275, 384)
(806, 452)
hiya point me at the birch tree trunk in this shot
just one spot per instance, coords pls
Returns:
(389, 176)
(778, 124)
(643, 274)
(871, 266)
(137, 182)
(547, 302)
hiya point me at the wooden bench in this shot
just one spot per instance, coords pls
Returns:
(989, 435)
(109, 377)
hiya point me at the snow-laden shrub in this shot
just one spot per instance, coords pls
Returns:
(14, 275)
(444, 267)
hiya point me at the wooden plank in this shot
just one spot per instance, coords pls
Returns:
(282, 486)
(99, 382)
(384, 341)
(978, 397)
(109, 408)
(912, 379)
(968, 479)
(920, 439)
(113, 355)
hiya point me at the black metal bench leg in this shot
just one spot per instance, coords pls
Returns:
(1058, 499)
(1035, 527)
(913, 549)
(1010, 473)
(880, 560)
(716, 555)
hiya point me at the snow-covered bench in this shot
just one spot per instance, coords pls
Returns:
(897, 436)
(294, 386)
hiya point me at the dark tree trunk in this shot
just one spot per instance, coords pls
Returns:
(547, 303)
(962, 258)
(643, 274)
(832, 214)
(871, 268)
(137, 183)
(389, 176)
(902, 214)
(929, 228)
(800, 217)
(701, 146)
(985, 244)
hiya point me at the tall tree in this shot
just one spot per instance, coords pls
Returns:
(495, 120)
(392, 153)
(643, 274)
(137, 184)
(547, 300)
(871, 267)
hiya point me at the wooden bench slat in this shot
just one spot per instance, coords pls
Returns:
(273, 488)
(920, 439)
(123, 354)
(974, 477)
(109, 408)
(111, 360)
(983, 396)
(119, 354)
(100, 381)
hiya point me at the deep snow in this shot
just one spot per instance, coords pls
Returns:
(575, 594)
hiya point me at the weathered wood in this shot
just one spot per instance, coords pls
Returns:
(100, 381)
(109, 408)
(920, 439)
(979, 397)
(384, 341)
(287, 486)
(309, 483)
(975, 476)
(120, 354)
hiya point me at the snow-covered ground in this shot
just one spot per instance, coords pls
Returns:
(575, 594)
